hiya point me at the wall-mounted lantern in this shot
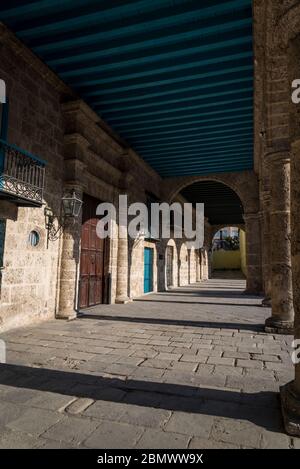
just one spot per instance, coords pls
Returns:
(71, 205)
(70, 209)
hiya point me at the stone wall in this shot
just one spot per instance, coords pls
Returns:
(29, 276)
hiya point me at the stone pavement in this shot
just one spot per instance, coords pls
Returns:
(188, 368)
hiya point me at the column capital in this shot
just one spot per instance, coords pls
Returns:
(73, 185)
(125, 161)
(76, 139)
(251, 216)
(265, 196)
(277, 157)
(74, 170)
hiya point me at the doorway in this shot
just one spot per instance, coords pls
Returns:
(169, 265)
(93, 258)
(148, 270)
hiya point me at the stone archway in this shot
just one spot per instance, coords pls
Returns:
(288, 26)
(171, 270)
(246, 186)
(183, 265)
(192, 265)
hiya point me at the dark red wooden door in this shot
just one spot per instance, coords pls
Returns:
(93, 257)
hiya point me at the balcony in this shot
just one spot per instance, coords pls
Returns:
(22, 176)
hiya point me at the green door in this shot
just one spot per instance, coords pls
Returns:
(148, 270)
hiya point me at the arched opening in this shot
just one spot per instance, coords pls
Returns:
(183, 266)
(229, 252)
(222, 208)
(171, 265)
(192, 265)
(222, 205)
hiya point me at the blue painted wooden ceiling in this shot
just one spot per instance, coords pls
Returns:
(173, 77)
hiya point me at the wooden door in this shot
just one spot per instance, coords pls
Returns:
(93, 257)
(148, 270)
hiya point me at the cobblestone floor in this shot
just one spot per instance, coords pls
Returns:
(189, 368)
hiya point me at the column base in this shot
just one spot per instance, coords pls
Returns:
(266, 302)
(123, 300)
(66, 316)
(276, 326)
(290, 406)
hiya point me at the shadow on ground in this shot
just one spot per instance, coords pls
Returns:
(177, 322)
(257, 407)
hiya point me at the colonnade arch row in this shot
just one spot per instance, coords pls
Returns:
(244, 187)
(180, 264)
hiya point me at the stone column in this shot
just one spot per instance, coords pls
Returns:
(282, 319)
(266, 250)
(290, 393)
(69, 265)
(209, 264)
(122, 264)
(253, 254)
(204, 263)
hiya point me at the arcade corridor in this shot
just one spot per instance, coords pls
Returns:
(168, 102)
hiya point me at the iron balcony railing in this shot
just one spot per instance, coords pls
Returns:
(22, 175)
